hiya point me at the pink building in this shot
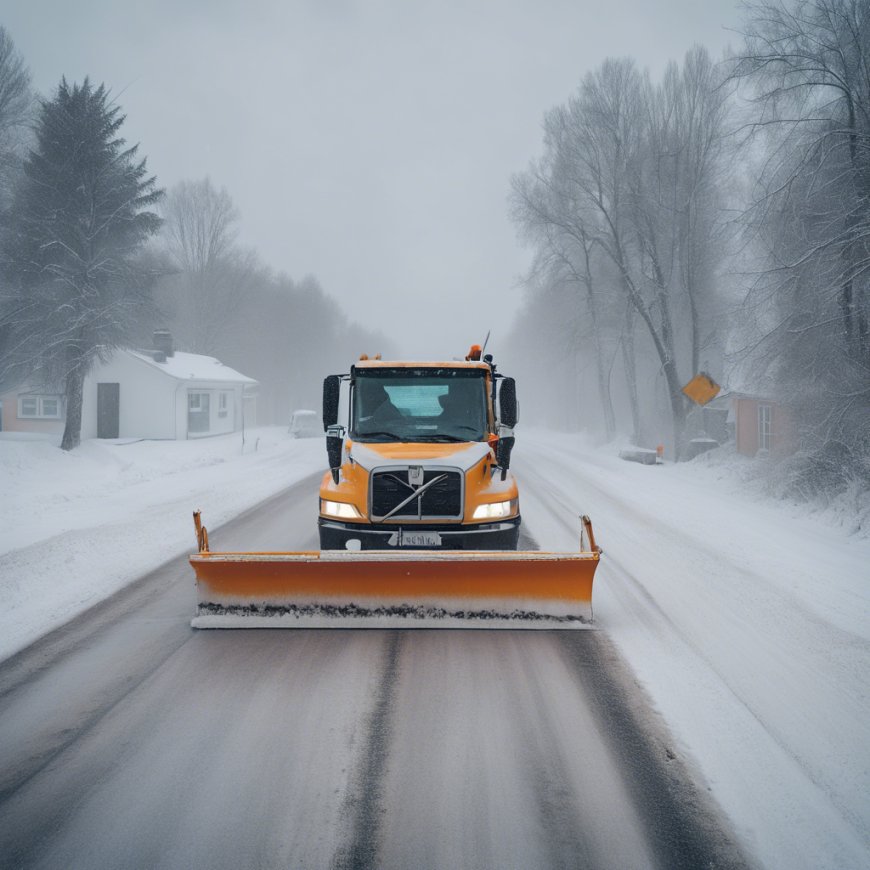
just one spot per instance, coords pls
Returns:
(762, 426)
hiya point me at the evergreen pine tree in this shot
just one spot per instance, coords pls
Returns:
(74, 288)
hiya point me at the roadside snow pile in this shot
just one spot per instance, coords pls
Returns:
(831, 487)
(746, 621)
(77, 526)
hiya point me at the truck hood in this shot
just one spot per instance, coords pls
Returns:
(462, 456)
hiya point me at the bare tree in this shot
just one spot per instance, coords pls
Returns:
(563, 234)
(808, 64)
(207, 293)
(633, 169)
(682, 200)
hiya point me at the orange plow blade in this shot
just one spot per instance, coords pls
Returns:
(411, 589)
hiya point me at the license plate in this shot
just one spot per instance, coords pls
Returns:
(419, 539)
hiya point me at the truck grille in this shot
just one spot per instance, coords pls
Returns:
(442, 500)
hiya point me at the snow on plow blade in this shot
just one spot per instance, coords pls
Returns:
(381, 589)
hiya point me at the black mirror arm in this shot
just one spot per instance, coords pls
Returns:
(334, 448)
(503, 453)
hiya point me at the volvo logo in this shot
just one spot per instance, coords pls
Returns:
(415, 475)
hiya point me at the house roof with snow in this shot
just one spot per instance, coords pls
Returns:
(192, 367)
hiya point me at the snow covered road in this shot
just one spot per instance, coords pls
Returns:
(744, 628)
(130, 740)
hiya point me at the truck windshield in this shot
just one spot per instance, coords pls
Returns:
(426, 404)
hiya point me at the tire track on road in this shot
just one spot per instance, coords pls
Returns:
(684, 826)
(364, 801)
(558, 808)
(632, 591)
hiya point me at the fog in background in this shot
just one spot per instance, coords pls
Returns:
(619, 199)
(368, 144)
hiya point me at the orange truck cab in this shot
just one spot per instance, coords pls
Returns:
(422, 457)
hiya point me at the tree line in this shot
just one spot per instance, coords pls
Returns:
(95, 256)
(716, 218)
(219, 299)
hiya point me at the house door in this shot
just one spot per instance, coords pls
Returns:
(198, 413)
(108, 410)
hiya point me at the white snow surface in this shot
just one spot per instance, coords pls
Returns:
(745, 622)
(195, 367)
(77, 526)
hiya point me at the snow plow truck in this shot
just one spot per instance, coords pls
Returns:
(419, 517)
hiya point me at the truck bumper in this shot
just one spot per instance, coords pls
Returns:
(503, 535)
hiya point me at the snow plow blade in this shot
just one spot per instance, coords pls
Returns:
(389, 589)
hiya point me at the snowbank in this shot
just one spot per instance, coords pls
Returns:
(745, 619)
(77, 526)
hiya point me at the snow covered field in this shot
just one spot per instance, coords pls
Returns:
(76, 527)
(746, 623)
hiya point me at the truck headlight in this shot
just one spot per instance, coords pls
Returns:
(496, 510)
(339, 509)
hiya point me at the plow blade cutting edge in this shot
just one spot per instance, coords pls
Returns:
(388, 589)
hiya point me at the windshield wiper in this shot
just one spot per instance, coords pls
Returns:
(450, 438)
(379, 434)
(435, 437)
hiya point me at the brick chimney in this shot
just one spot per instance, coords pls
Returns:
(163, 345)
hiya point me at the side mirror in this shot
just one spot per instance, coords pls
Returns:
(334, 448)
(331, 391)
(507, 403)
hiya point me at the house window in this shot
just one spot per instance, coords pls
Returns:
(39, 407)
(765, 416)
(223, 404)
(198, 406)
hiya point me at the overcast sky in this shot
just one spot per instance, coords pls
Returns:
(368, 143)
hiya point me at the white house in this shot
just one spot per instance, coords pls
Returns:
(159, 394)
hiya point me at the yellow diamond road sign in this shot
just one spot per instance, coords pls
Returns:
(702, 388)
